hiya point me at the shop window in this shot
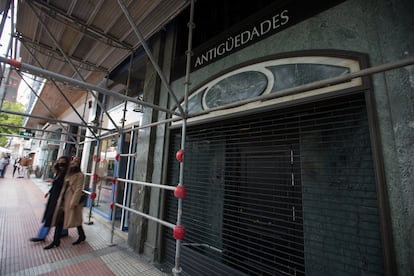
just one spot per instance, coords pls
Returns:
(105, 170)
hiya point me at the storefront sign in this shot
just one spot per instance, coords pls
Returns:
(27, 134)
(270, 21)
(232, 43)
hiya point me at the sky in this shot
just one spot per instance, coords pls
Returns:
(5, 37)
(4, 41)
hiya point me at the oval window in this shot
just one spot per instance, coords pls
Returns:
(235, 88)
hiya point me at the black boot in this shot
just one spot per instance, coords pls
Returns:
(53, 244)
(36, 239)
(81, 237)
(56, 237)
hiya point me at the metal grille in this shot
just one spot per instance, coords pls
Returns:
(287, 192)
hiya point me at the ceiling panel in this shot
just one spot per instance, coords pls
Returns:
(93, 34)
(96, 21)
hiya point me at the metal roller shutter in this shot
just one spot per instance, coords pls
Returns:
(286, 192)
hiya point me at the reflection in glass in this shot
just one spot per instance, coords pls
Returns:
(292, 75)
(194, 103)
(235, 88)
(250, 84)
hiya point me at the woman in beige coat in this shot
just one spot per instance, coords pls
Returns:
(69, 214)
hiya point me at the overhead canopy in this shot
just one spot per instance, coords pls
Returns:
(94, 35)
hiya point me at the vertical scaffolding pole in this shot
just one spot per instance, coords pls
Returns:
(5, 76)
(96, 159)
(177, 269)
(150, 56)
(120, 149)
(93, 181)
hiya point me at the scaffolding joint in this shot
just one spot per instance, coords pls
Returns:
(191, 25)
(177, 270)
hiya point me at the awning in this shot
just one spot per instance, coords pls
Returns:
(87, 38)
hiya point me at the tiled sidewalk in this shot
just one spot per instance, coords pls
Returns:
(21, 208)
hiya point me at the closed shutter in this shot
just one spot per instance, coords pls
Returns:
(286, 192)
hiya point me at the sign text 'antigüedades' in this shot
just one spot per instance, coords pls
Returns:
(240, 39)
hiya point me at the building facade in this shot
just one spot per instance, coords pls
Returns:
(302, 180)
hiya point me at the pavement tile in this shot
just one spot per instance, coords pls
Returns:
(22, 205)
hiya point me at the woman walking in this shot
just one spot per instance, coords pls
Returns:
(60, 168)
(68, 213)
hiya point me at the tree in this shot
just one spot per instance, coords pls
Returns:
(10, 119)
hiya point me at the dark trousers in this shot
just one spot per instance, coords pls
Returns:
(16, 168)
(58, 231)
(81, 233)
(44, 230)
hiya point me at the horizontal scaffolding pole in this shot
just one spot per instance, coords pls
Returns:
(58, 89)
(42, 22)
(314, 85)
(165, 223)
(46, 131)
(166, 121)
(161, 186)
(41, 72)
(45, 105)
(128, 154)
(79, 26)
(153, 124)
(36, 138)
(50, 119)
(285, 92)
(166, 187)
(52, 53)
(107, 135)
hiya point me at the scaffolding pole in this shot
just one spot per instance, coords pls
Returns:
(44, 104)
(285, 92)
(34, 138)
(49, 119)
(4, 17)
(80, 26)
(65, 56)
(44, 130)
(3, 22)
(149, 54)
(41, 72)
(120, 150)
(314, 85)
(165, 223)
(177, 269)
(96, 159)
(60, 91)
(147, 184)
(166, 121)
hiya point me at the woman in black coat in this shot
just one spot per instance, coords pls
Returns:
(60, 167)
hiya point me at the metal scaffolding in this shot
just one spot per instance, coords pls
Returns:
(180, 115)
(179, 190)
